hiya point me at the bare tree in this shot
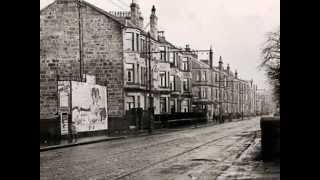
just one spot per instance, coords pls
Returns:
(271, 61)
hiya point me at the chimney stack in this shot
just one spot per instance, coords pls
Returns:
(220, 63)
(161, 35)
(135, 13)
(187, 47)
(153, 23)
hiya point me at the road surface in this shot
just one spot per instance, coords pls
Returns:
(181, 155)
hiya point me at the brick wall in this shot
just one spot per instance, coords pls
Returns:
(59, 53)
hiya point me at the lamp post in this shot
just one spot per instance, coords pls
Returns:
(150, 86)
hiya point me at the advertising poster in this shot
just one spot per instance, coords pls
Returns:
(89, 107)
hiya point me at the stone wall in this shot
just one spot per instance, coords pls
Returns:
(59, 53)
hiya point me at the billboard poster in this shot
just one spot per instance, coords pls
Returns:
(89, 107)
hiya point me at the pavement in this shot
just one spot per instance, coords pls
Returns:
(80, 141)
(223, 151)
(97, 139)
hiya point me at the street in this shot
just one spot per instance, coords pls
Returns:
(186, 154)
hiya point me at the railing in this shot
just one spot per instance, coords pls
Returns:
(178, 119)
(121, 13)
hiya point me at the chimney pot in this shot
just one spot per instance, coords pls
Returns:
(187, 47)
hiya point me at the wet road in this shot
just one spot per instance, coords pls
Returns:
(177, 155)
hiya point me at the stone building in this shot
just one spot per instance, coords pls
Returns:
(78, 38)
(204, 85)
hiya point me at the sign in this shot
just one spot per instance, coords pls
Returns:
(64, 123)
(64, 90)
(90, 79)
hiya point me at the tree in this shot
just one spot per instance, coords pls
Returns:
(271, 61)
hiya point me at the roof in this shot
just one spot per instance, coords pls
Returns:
(201, 64)
(121, 21)
(46, 7)
(163, 40)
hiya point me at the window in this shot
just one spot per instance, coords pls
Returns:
(185, 85)
(216, 77)
(204, 92)
(171, 57)
(177, 60)
(138, 73)
(139, 103)
(168, 54)
(198, 75)
(185, 64)
(204, 107)
(216, 94)
(137, 42)
(204, 76)
(129, 41)
(163, 53)
(172, 106)
(196, 92)
(143, 73)
(163, 79)
(172, 83)
(142, 48)
(185, 105)
(211, 95)
(163, 105)
(130, 72)
(142, 45)
(130, 102)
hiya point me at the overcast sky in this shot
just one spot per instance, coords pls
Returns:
(235, 28)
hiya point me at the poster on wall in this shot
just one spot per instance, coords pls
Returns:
(64, 90)
(64, 123)
(89, 107)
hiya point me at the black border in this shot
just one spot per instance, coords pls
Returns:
(20, 85)
(299, 82)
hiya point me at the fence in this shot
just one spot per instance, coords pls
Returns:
(163, 120)
(180, 118)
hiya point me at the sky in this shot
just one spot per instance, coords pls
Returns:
(236, 29)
